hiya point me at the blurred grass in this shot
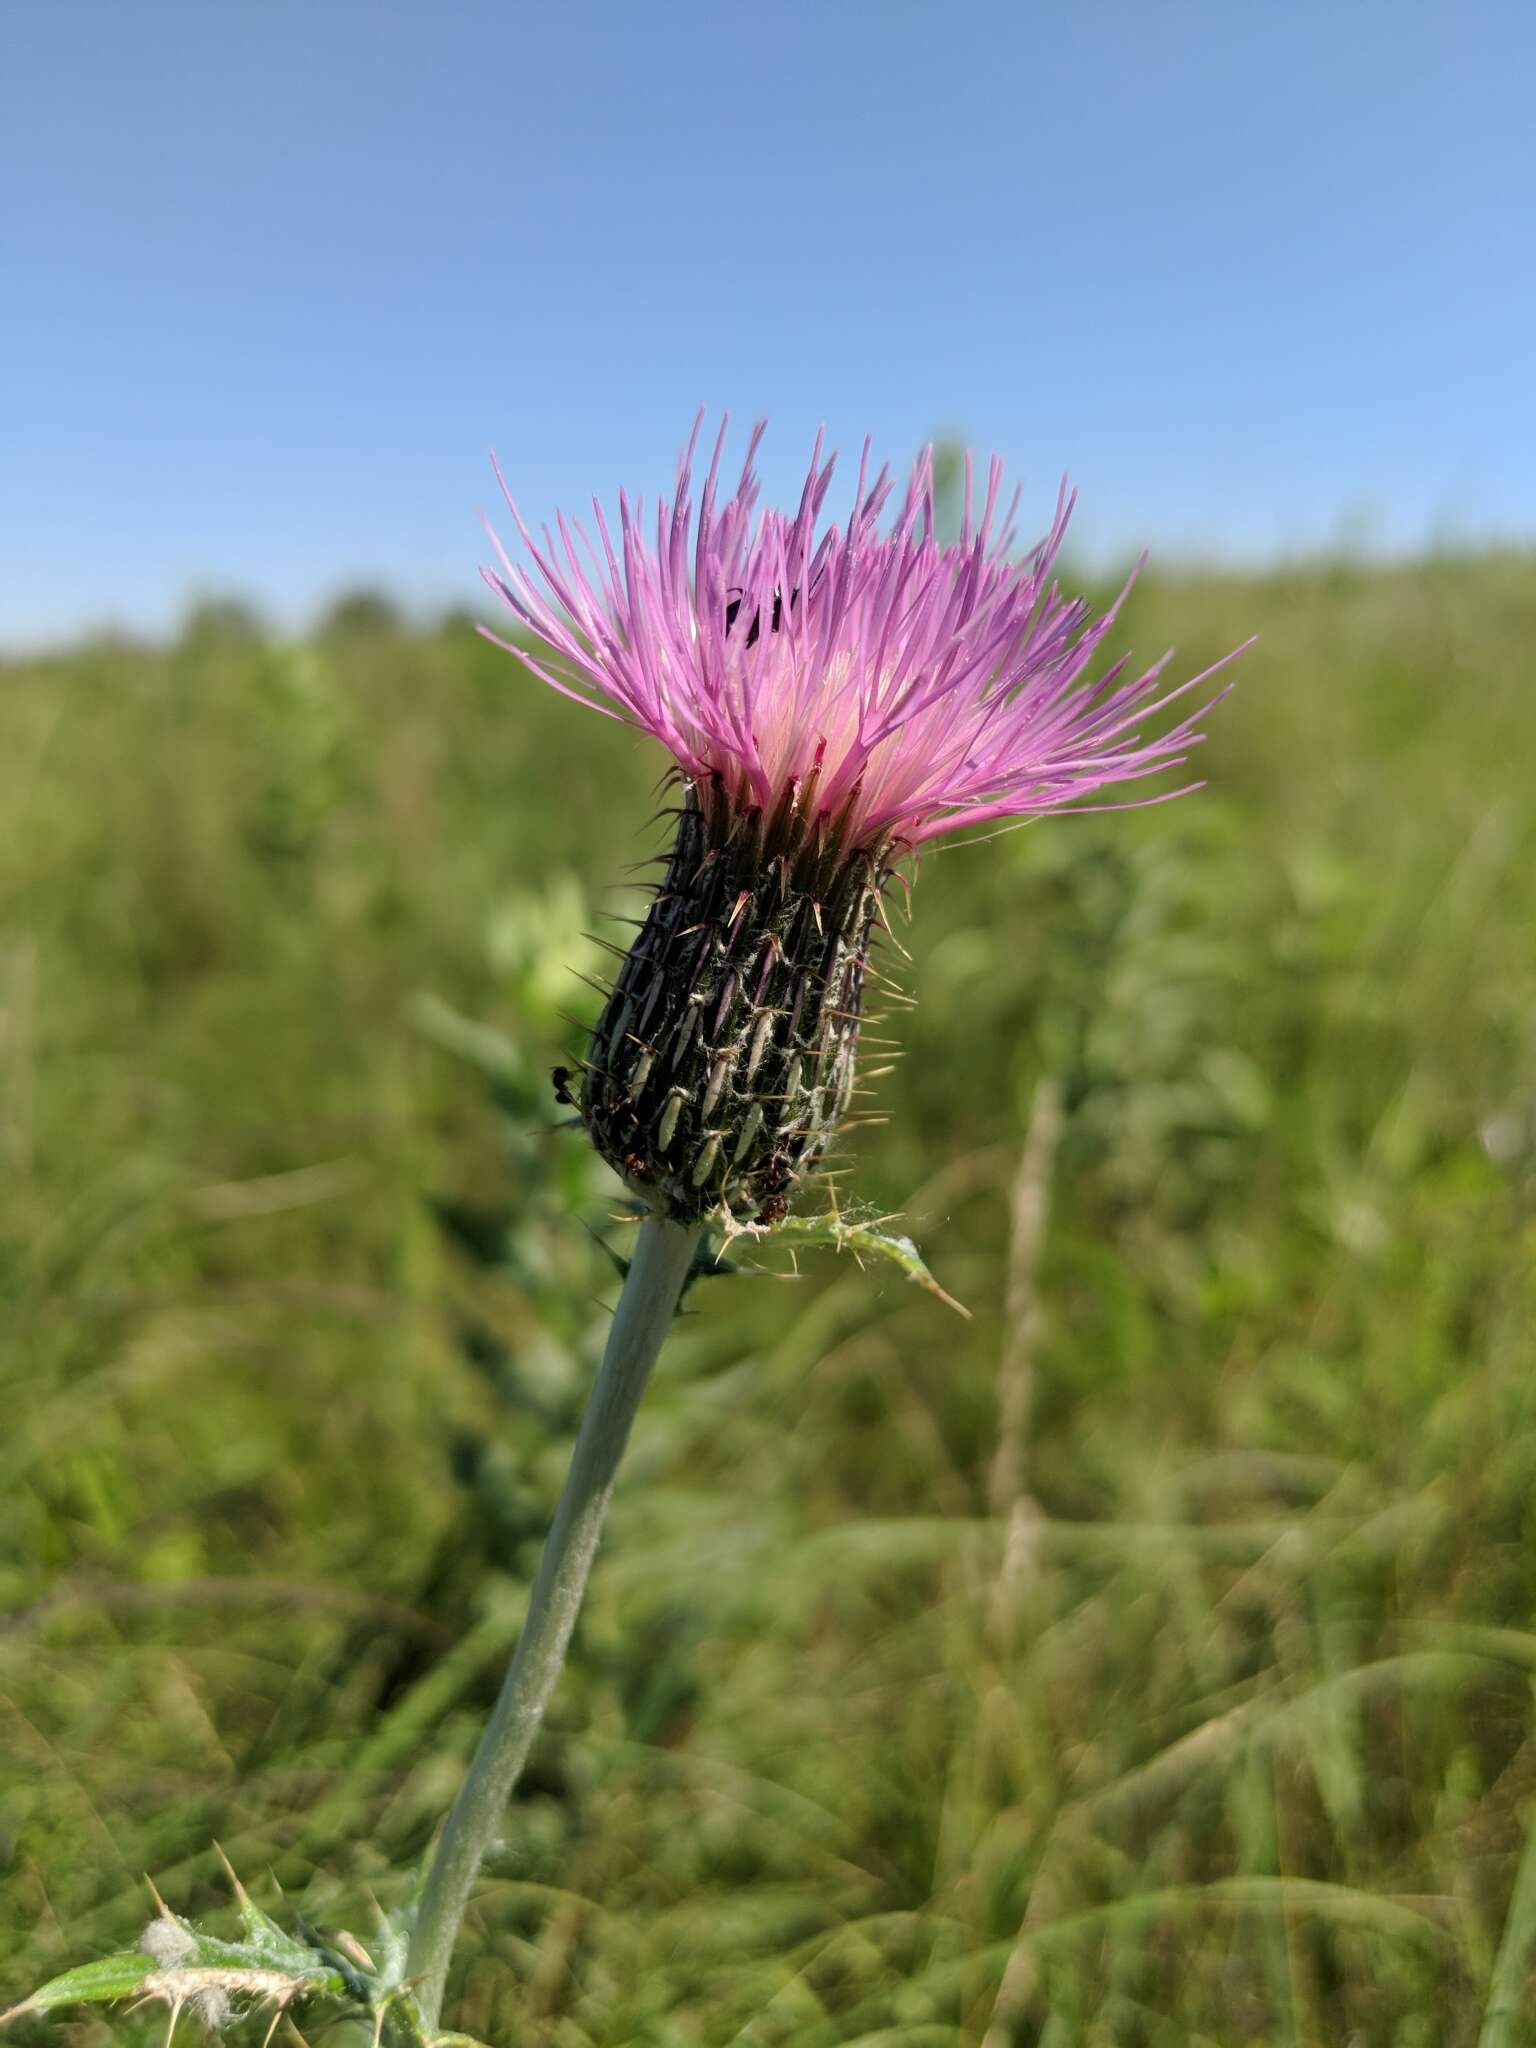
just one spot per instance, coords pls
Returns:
(1148, 1661)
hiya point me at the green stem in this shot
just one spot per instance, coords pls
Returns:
(652, 1287)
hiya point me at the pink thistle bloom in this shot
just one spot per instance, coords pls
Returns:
(834, 697)
(915, 688)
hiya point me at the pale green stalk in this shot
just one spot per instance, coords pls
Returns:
(662, 1257)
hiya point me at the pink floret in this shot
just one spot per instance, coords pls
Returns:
(928, 687)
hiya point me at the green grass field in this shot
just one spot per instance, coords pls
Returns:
(1147, 1661)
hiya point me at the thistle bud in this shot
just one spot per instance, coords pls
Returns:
(725, 1054)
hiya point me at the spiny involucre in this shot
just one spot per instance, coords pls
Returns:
(833, 696)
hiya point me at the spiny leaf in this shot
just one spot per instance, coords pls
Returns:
(264, 1938)
(867, 1240)
(268, 1949)
(178, 1963)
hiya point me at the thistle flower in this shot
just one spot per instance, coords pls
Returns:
(833, 698)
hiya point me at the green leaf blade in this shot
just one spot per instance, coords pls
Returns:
(868, 1240)
(98, 1983)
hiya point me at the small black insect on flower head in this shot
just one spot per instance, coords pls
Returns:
(776, 619)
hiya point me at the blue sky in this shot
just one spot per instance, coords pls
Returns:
(279, 272)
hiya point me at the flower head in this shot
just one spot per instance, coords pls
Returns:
(901, 686)
(833, 697)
